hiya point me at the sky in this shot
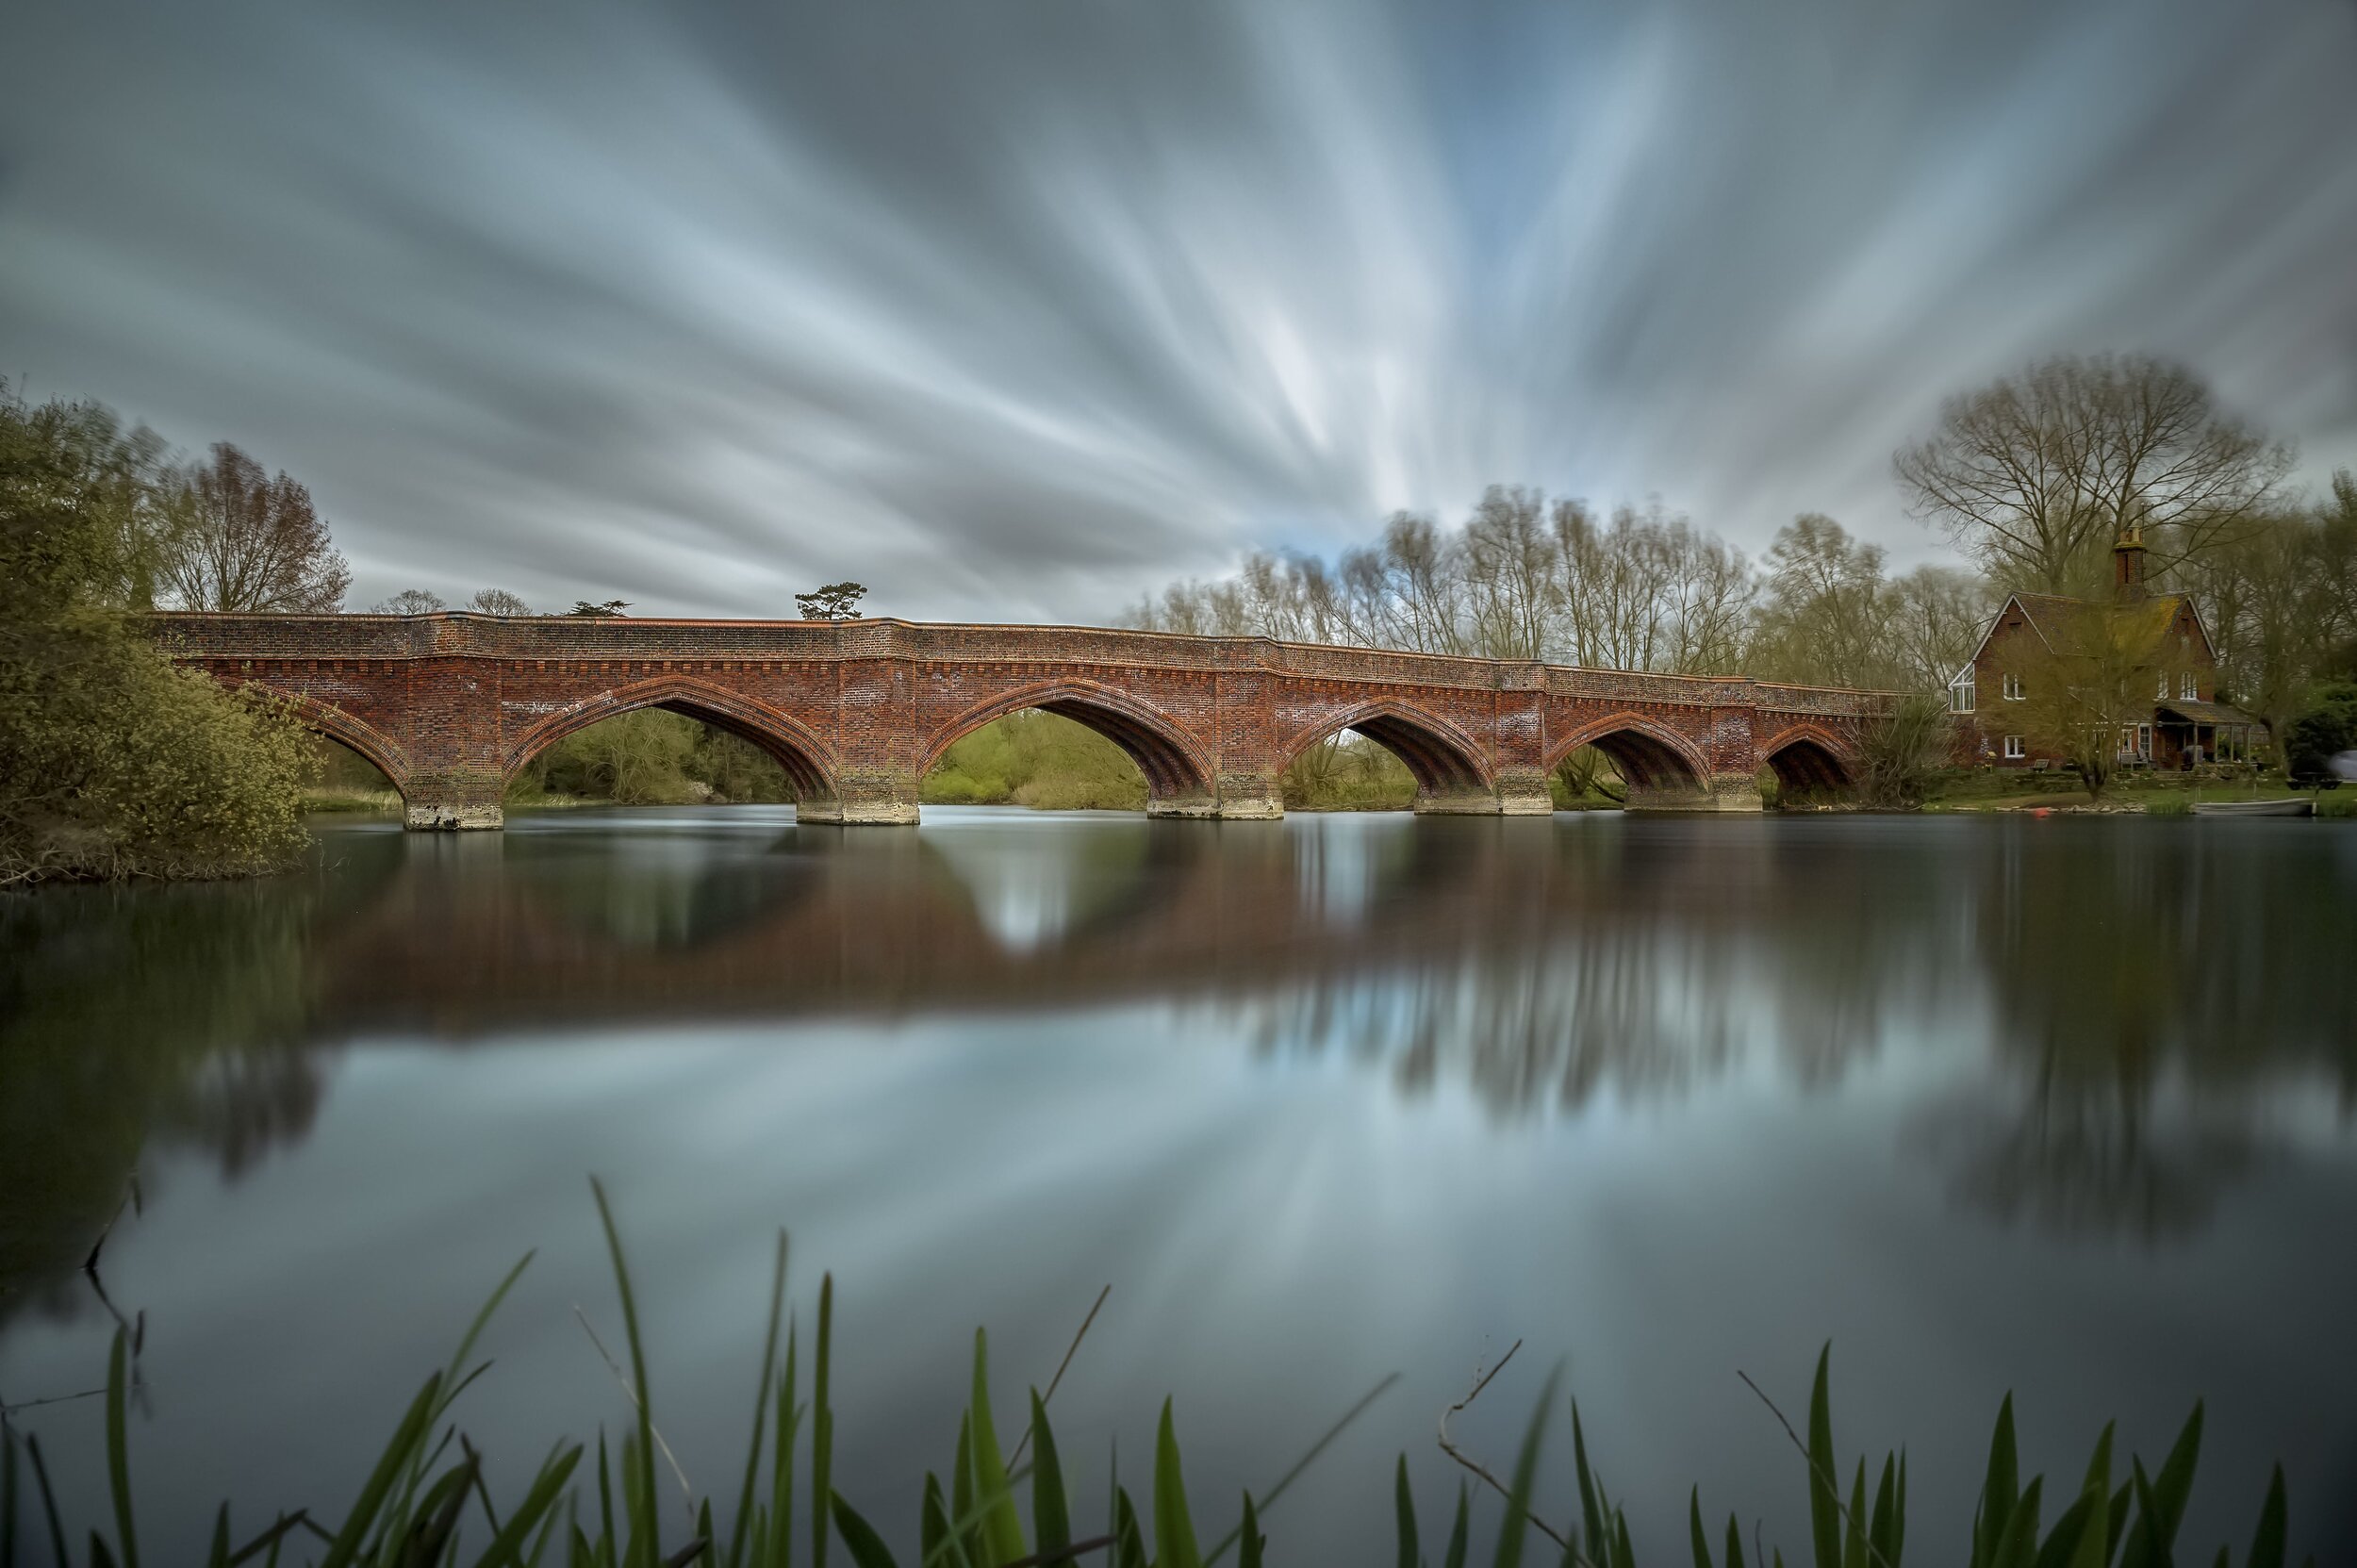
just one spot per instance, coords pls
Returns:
(1016, 311)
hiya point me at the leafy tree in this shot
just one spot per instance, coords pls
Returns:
(411, 601)
(242, 540)
(497, 602)
(611, 610)
(834, 601)
(2328, 727)
(113, 762)
(2034, 475)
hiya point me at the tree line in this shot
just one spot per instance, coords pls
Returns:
(2032, 478)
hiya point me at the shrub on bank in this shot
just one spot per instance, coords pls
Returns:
(112, 762)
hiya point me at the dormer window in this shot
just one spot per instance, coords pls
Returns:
(2013, 688)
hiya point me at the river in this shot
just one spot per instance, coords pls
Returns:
(2063, 1106)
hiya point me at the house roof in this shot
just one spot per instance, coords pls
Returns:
(2192, 712)
(2062, 623)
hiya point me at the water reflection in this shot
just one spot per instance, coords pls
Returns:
(2130, 995)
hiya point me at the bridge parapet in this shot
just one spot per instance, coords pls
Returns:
(450, 705)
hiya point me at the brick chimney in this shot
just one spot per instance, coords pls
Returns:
(2128, 565)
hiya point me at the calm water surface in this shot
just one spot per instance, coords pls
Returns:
(2064, 1106)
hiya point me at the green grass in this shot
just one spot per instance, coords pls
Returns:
(374, 802)
(422, 1504)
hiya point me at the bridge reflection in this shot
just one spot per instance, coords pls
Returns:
(2101, 1016)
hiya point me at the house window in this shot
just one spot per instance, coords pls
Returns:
(2013, 748)
(2161, 695)
(2013, 688)
(1962, 691)
(2144, 741)
(2188, 688)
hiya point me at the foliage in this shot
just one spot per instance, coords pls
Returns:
(649, 757)
(1036, 759)
(610, 610)
(242, 540)
(410, 1508)
(2035, 474)
(112, 762)
(1899, 757)
(2328, 727)
(409, 602)
(1346, 771)
(834, 601)
(1587, 778)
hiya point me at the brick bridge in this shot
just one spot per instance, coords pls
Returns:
(452, 705)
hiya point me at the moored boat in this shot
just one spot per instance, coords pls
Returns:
(2290, 805)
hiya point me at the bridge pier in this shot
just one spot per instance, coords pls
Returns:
(1727, 792)
(452, 802)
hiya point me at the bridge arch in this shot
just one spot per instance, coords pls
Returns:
(809, 762)
(354, 734)
(1809, 757)
(1181, 778)
(1657, 760)
(1446, 762)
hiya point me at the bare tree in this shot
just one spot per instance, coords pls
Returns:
(1511, 573)
(409, 602)
(2036, 475)
(497, 602)
(1829, 609)
(242, 540)
(1938, 617)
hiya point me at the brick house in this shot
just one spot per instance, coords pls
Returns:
(2188, 724)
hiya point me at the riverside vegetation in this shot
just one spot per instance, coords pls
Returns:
(113, 762)
(422, 1504)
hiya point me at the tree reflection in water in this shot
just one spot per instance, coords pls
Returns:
(2144, 992)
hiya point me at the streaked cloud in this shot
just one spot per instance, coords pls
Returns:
(1019, 310)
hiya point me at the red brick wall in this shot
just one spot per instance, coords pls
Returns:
(450, 705)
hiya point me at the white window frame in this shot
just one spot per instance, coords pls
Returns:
(2161, 695)
(2013, 688)
(2015, 751)
(1963, 692)
(2188, 688)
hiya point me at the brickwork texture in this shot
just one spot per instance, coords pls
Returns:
(452, 705)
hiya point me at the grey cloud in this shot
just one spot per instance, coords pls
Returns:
(1019, 310)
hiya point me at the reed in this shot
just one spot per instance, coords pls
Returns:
(421, 1504)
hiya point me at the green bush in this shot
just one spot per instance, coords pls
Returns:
(113, 762)
(1353, 774)
(652, 758)
(2329, 726)
(1042, 760)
